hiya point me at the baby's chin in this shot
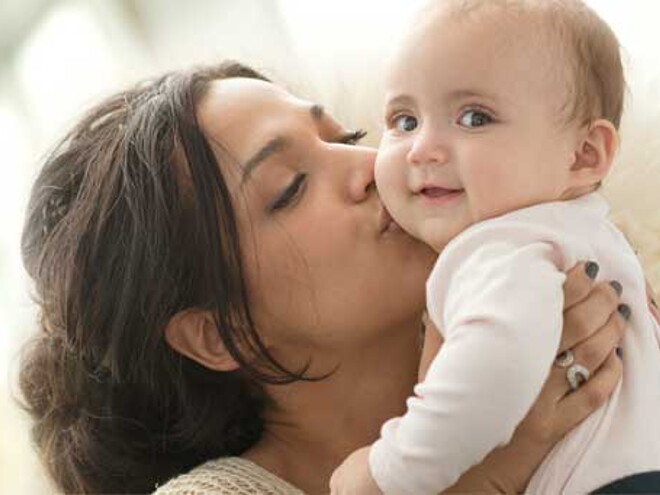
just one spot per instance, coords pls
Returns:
(437, 233)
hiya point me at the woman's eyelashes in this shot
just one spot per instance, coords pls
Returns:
(290, 194)
(293, 192)
(353, 137)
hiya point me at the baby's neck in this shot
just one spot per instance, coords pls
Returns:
(577, 192)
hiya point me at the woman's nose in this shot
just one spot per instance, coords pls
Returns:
(362, 183)
(427, 147)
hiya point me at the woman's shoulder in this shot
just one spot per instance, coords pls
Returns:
(227, 475)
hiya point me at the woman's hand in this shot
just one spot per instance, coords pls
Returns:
(653, 305)
(594, 322)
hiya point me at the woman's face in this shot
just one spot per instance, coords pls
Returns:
(325, 269)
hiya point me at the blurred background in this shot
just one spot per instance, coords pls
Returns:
(59, 56)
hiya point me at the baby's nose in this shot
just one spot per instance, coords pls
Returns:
(428, 148)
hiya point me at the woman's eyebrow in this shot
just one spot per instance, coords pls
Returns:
(275, 145)
(317, 111)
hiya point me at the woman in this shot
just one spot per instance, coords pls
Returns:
(217, 277)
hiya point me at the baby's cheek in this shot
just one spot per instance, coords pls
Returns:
(390, 176)
(385, 158)
(485, 188)
(496, 190)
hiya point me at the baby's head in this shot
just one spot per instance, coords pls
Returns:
(494, 105)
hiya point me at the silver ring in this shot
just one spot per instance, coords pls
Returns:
(577, 375)
(565, 359)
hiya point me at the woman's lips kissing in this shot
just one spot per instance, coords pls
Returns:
(386, 222)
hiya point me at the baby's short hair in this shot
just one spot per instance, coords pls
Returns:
(595, 80)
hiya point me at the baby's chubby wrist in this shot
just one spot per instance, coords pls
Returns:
(354, 475)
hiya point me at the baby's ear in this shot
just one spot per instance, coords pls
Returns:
(193, 333)
(595, 154)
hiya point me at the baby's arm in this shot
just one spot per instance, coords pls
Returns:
(500, 305)
(354, 475)
(432, 343)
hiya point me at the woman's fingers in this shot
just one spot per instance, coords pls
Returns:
(586, 317)
(557, 409)
(592, 330)
(591, 353)
(579, 404)
(650, 293)
(653, 302)
(579, 282)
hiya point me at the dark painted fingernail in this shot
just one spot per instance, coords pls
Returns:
(624, 310)
(592, 269)
(617, 287)
(619, 352)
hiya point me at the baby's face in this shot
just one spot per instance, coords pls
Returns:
(473, 127)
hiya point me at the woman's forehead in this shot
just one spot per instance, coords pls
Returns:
(245, 92)
(238, 111)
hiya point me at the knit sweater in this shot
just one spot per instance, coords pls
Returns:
(228, 476)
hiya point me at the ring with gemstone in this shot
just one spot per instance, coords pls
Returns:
(565, 359)
(576, 375)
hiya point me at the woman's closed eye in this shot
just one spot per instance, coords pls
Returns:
(295, 189)
(291, 193)
(352, 137)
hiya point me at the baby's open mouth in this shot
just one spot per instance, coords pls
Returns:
(438, 192)
(438, 195)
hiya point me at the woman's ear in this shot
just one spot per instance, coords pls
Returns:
(193, 333)
(594, 155)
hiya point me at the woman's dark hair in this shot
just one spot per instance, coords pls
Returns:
(129, 222)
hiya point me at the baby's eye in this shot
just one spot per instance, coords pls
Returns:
(474, 118)
(405, 123)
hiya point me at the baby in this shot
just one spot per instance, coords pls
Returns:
(501, 121)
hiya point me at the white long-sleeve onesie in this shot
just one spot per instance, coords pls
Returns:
(496, 295)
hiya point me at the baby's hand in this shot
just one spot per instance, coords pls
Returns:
(353, 477)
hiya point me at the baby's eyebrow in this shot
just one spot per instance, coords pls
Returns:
(463, 94)
(403, 100)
